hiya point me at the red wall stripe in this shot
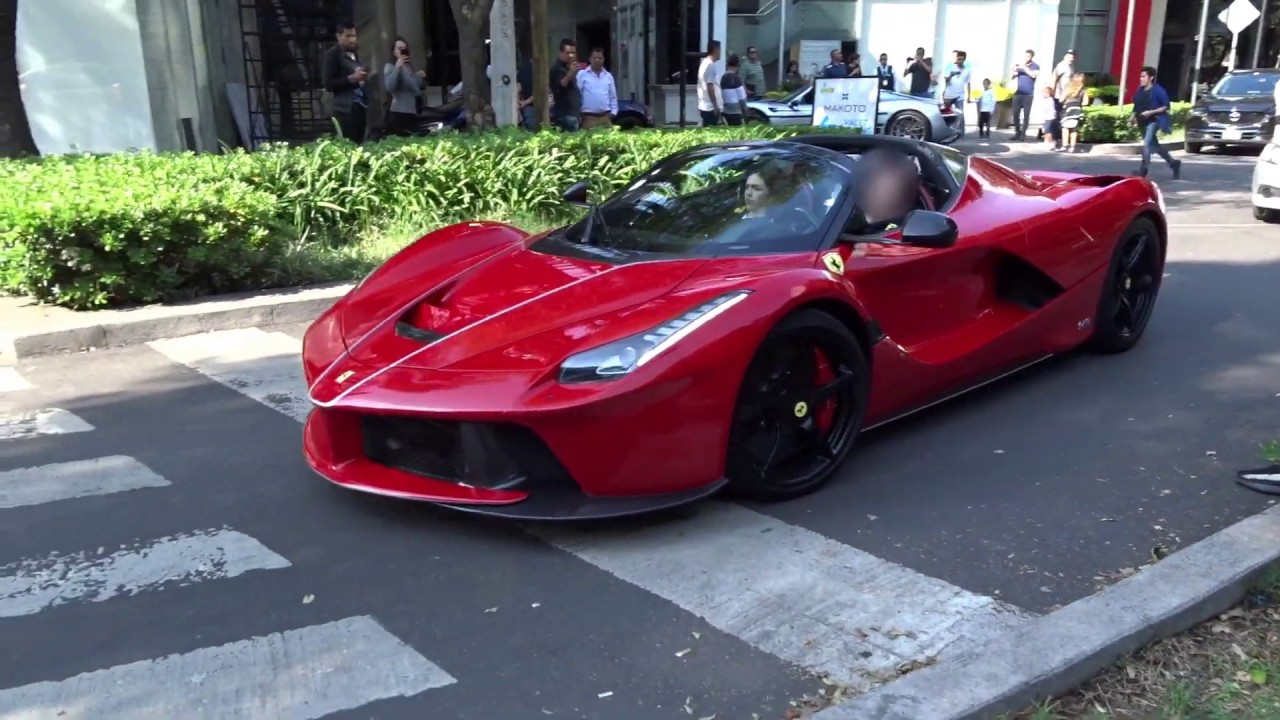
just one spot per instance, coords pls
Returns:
(1137, 46)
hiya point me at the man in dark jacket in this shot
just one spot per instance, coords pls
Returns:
(344, 76)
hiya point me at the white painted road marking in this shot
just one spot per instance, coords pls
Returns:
(794, 593)
(80, 478)
(264, 366)
(53, 421)
(35, 584)
(785, 590)
(294, 675)
(12, 381)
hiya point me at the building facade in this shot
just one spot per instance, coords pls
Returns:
(200, 74)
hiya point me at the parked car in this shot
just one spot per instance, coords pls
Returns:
(1239, 110)
(902, 115)
(1265, 188)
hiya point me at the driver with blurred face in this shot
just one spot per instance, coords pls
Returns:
(890, 188)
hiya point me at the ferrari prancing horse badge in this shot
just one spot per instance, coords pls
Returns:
(345, 376)
(834, 262)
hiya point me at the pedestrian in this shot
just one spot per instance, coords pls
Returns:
(884, 71)
(404, 87)
(855, 66)
(920, 70)
(344, 76)
(1151, 115)
(599, 93)
(1047, 110)
(710, 104)
(733, 91)
(836, 68)
(566, 98)
(1024, 93)
(1062, 74)
(1074, 98)
(793, 80)
(956, 86)
(986, 106)
(752, 73)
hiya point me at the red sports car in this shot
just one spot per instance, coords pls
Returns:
(733, 318)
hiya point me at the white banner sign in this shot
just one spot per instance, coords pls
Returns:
(846, 102)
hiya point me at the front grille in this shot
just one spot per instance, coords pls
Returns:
(421, 447)
(486, 455)
(1245, 118)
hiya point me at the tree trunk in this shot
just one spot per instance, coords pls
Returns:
(472, 18)
(540, 52)
(15, 131)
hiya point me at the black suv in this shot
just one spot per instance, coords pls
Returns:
(1239, 110)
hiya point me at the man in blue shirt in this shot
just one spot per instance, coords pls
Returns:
(1024, 74)
(1151, 114)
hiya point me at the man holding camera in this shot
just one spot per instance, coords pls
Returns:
(344, 76)
(920, 71)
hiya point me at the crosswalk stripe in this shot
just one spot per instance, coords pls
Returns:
(785, 590)
(298, 674)
(794, 593)
(79, 478)
(35, 584)
(265, 366)
(53, 421)
(12, 381)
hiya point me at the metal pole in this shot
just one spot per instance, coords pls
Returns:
(1124, 63)
(782, 41)
(1204, 24)
(1257, 37)
(684, 59)
(648, 50)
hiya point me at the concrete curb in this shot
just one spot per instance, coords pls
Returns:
(28, 330)
(1057, 652)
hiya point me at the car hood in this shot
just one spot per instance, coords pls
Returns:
(507, 298)
(1251, 103)
(772, 106)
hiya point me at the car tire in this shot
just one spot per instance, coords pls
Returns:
(913, 117)
(1266, 215)
(755, 117)
(629, 122)
(772, 407)
(1192, 148)
(1126, 278)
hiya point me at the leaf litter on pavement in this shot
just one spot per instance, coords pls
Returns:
(1227, 668)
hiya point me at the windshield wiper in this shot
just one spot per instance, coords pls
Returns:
(592, 214)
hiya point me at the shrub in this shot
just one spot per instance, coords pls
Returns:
(96, 231)
(1110, 123)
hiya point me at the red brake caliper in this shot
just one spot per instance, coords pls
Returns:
(826, 414)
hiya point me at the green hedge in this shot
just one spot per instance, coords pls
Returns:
(1110, 123)
(98, 231)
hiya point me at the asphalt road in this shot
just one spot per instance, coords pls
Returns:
(162, 540)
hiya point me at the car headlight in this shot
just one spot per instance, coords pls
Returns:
(620, 357)
(1199, 112)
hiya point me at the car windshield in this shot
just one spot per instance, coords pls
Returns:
(1247, 84)
(803, 96)
(712, 202)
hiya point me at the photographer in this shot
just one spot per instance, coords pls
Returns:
(920, 71)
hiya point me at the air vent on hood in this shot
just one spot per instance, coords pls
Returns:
(417, 334)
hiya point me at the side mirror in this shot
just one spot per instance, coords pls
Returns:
(926, 228)
(577, 194)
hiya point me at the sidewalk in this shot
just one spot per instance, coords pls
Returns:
(1001, 143)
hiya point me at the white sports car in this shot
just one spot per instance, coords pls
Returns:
(901, 115)
(1265, 188)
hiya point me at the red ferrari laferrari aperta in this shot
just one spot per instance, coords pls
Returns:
(733, 318)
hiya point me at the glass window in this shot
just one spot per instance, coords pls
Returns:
(712, 202)
(1255, 83)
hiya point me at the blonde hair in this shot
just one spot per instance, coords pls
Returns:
(1076, 86)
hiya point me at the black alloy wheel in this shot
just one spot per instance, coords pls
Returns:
(799, 410)
(1132, 285)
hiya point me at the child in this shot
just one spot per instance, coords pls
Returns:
(986, 106)
(1049, 111)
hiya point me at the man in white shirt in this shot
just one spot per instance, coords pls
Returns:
(956, 79)
(599, 93)
(710, 103)
(1062, 73)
